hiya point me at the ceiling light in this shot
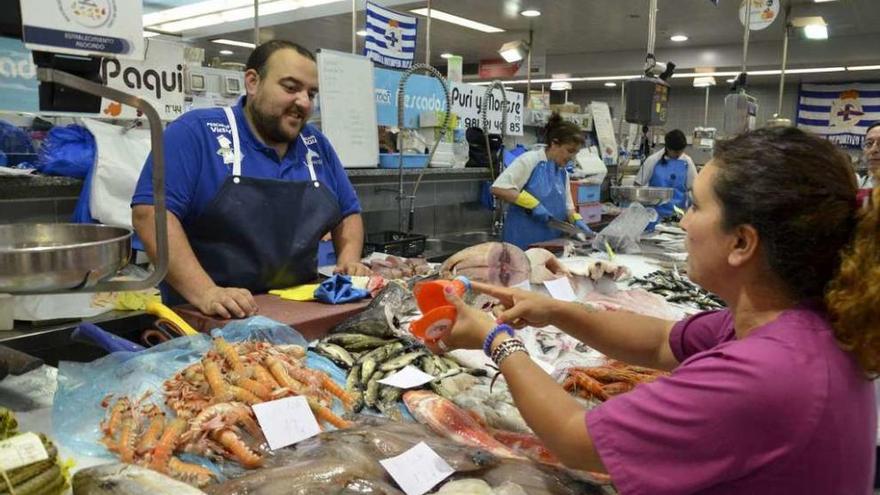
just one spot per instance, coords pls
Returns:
(193, 10)
(610, 84)
(150, 34)
(823, 1)
(678, 38)
(454, 19)
(863, 67)
(226, 52)
(560, 86)
(816, 32)
(704, 82)
(530, 13)
(242, 44)
(214, 12)
(361, 33)
(446, 55)
(732, 79)
(514, 51)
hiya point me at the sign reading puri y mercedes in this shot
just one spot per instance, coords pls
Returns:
(112, 28)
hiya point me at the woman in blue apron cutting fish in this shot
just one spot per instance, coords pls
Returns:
(537, 187)
(670, 167)
(251, 189)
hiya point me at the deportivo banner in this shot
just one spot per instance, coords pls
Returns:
(839, 112)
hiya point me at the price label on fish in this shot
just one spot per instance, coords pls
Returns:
(408, 377)
(286, 421)
(418, 469)
(21, 450)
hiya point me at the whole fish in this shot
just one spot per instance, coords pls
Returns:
(127, 479)
(382, 317)
(449, 420)
(356, 341)
(336, 354)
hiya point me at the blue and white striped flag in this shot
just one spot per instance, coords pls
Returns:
(391, 37)
(839, 112)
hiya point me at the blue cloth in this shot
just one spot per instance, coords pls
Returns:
(338, 289)
(671, 173)
(547, 185)
(194, 170)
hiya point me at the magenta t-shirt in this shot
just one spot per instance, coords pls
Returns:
(782, 411)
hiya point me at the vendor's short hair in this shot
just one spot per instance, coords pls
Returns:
(259, 58)
(675, 140)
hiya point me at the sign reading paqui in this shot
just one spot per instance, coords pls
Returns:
(112, 28)
(158, 80)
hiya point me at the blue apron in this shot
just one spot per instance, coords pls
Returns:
(261, 234)
(671, 173)
(547, 185)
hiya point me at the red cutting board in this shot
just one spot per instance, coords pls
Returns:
(312, 319)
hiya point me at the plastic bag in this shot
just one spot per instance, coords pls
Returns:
(623, 233)
(15, 145)
(77, 411)
(69, 151)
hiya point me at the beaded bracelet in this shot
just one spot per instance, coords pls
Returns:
(487, 344)
(506, 348)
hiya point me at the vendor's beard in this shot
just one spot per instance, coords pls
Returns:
(269, 126)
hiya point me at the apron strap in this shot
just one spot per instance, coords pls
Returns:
(236, 149)
(309, 156)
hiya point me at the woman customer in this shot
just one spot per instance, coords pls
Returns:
(773, 394)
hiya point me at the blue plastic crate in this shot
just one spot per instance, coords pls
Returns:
(410, 160)
(585, 193)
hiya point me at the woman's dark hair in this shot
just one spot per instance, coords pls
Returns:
(259, 58)
(675, 140)
(799, 192)
(562, 131)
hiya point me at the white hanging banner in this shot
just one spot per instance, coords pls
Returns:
(764, 12)
(468, 98)
(158, 79)
(110, 28)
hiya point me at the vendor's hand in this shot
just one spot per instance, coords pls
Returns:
(226, 302)
(541, 214)
(583, 226)
(471, 326)
(522, 308)
(355, 268)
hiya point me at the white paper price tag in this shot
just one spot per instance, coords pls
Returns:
(560, 289)
(524, 285)
(408, 377)
(418, 469)
(286, 421)
(21, 450)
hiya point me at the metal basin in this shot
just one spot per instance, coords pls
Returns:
(60, 256)
(648, 196)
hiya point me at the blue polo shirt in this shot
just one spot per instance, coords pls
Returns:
(195, 167)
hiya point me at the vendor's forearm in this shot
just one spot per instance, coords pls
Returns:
(508, 195)
(554, 415)
(348, 239)
(635, 339)
(185, 273)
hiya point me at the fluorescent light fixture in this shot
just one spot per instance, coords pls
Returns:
(214, 12)
(611, 84)
(150, 34)
(824, 1)
(454, 19)
(361, 33)
(242, 44)
(226, 52)
(732, 79)
(816, 70)
(560, 86)
(816, 32)
(863, 67)
(530, 13)
(704, 82)
(806, 20)
(705, 74)
(446, 55)
(514, 51)
(678, 38)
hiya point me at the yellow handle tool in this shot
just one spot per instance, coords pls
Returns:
(162, 311)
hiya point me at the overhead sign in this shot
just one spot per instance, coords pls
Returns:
(19, 89)
(764, 12)
(467, 100)
(158, 79)
(423, 94)
(841, 113)
(112, 28)
(498, 68)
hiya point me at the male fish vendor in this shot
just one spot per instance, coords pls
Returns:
(251, 189)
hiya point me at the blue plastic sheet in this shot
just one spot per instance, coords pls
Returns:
(77, 410)
(68, 151)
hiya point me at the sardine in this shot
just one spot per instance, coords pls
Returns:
(401, 361)
(336, 354)
(127, 479)
(356, 341)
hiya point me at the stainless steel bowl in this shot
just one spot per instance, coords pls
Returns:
(53, 257)
(648, 196)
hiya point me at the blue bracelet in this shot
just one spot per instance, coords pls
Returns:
(487, 344)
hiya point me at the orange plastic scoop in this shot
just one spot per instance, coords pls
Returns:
(434, 325)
